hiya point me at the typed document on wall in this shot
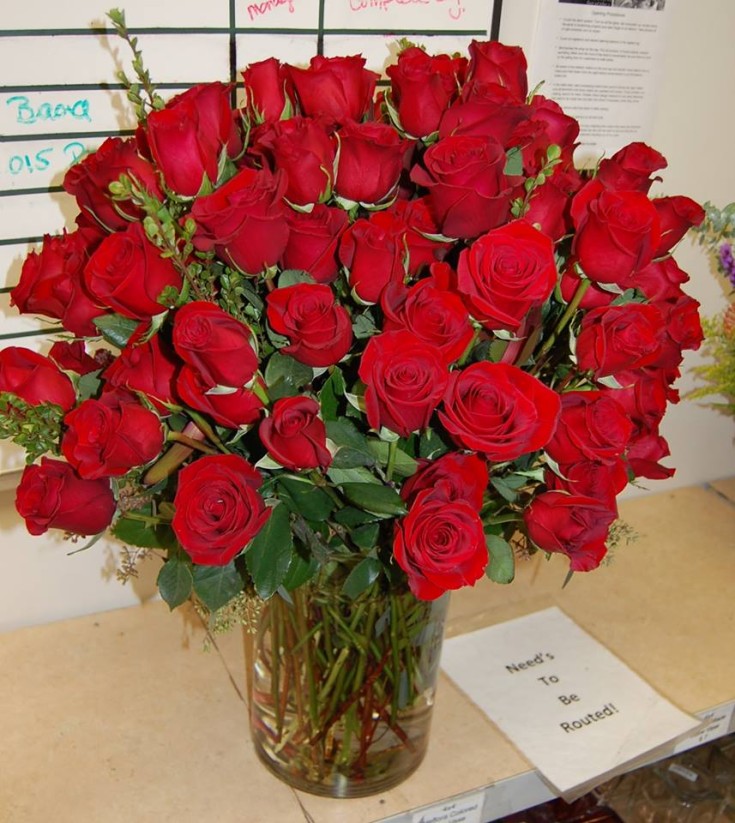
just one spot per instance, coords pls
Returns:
(602, 61)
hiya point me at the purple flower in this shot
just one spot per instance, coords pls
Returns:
(727, 262)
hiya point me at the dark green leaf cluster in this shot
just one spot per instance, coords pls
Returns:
(37, 429)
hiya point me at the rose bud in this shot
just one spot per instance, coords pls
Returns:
(244, 220)
(644, 453)
(187, 137)
(51, 282)
(404, 378)
(468, 190)
(440, 544)
(422, 88)
(320, 329)
(110, 436)
(52, 496)
(592, 426)
(34, 378)
(313, 238)
(218, 508)
(216, 345)
(235, 408)
(630, 168)
(570, 524)
(127, 274)
(506, 273)
(494, 62)
(499, 411)
(459, 476)
(89, 182)
(336, 89)
(370, 162)
(294, 435)
(268, 91)
(677, 214)
(303, 150)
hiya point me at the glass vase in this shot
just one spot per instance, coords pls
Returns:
(342, 690)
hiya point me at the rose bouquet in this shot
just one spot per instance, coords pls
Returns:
(333, 339)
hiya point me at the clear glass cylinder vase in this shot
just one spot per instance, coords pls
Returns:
(342, 690)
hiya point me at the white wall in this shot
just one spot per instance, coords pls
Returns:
(695, 123)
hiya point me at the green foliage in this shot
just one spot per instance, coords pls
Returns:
(501, 568)
(718, 375)
(365, 573)
(285, 376)
(175, 581)
(216, 585)
(270, 553)
(115, 328)
(37, 429)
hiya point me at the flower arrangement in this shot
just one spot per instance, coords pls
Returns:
(382, 337)
(717, 235)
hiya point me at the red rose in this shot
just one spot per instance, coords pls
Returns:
(244, 220)
(127, 274)
(644, 453)
(440, 545)
(499, 411)
(52, 496)
(421, 228)
(549, 125)
(677, 214)
(303, 150)
(233, 408)
(268, 91)
(335, 88)
(431, 312)
(312, 241)
(88, 181)
(484, 110)
(616, 236)
(468, 192)
(187, 137)
(218, 508)
(34, 378)
(147, 368)
(405, 379)
(682, 328)
(661, 280)
(590, 478)
(458, 476)
(422, 88)
(505, 273)
(592, 426)
(548, 209)
(630, 168)
(370, 161)
(51, 283)
(215, 344)
(73, 357)
(618, 338)
(571, 524)
(373, 252)
(109, 436)
(493, 62)
(294, 435)
(320, 330)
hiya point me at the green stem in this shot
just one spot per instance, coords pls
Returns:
(144, 518)
(177, 437)
(563, 320)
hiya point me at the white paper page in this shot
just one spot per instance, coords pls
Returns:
(574, 709)
(601, 60)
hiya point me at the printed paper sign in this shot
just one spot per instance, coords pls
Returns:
(466, 809)
(576, 711)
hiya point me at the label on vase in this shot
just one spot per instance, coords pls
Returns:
(573, 708)
(464, 809)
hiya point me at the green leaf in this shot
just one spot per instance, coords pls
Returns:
(88, 385)
(146, 535)
(501, 568)
(285, 376)
(175, 581)
(304, 497)
(292, 277)
(506, 488)
(363, 326)
(354, 517)
(269, 555)
(361, 577)
(357, 475)
(330, 394)
(431, 445)
(378, 499)
(366, 537)
(115, 328)
(404, 465)
(300, 570)
(217, 585)
(514, 162)
(348, 458)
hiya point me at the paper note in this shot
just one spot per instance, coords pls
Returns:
(574, 709)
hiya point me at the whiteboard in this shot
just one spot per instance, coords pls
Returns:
(60, 95)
